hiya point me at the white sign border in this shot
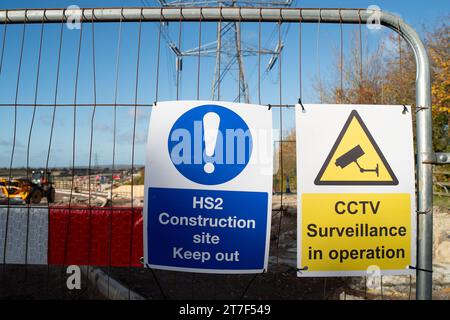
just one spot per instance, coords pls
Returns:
(234, 106)
(304, 273)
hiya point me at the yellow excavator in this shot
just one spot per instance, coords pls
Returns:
(26, 191)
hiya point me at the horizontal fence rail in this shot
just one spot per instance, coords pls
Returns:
(212, 14)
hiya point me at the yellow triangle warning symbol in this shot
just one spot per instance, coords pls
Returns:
(355, 158)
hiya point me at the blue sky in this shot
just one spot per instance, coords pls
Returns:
(419, 14)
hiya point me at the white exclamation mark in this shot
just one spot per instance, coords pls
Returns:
(211, 122)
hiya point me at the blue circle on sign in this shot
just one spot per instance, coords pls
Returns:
(210, 144)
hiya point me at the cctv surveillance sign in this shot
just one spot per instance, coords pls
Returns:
(343, 164)
(355, 171)
(208, 186)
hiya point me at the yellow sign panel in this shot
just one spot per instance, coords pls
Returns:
(351, 232)
(355, 158)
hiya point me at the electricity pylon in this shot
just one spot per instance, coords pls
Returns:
(228, 49)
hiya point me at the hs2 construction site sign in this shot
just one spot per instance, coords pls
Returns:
(355, 171)
(208, 187)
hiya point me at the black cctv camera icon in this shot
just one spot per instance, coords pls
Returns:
(352, 156)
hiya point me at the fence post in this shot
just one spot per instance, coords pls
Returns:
(424, 147)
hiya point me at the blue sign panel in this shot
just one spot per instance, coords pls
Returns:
(205, 229)
(210, 144)
(208, 183)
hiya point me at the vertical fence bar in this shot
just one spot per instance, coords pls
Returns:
(113, 164)
(5, 30)
(136, 99)
(424, 149)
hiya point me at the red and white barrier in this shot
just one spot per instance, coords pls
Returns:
(95, 236)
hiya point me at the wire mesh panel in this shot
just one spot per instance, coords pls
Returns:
(76, 97)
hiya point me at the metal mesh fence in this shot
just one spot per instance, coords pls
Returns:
(76, 100)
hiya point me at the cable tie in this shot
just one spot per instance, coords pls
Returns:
(420, 269)
(405, 109)
(423, 212)
(269, 106)
(301, 105)
(154, 103)
(302, 269)
(419, 108)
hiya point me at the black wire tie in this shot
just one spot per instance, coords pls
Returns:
(420, 269)
(301, 105)
(405, 109)
(419, 108)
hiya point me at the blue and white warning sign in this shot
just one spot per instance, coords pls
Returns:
(208, 187)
